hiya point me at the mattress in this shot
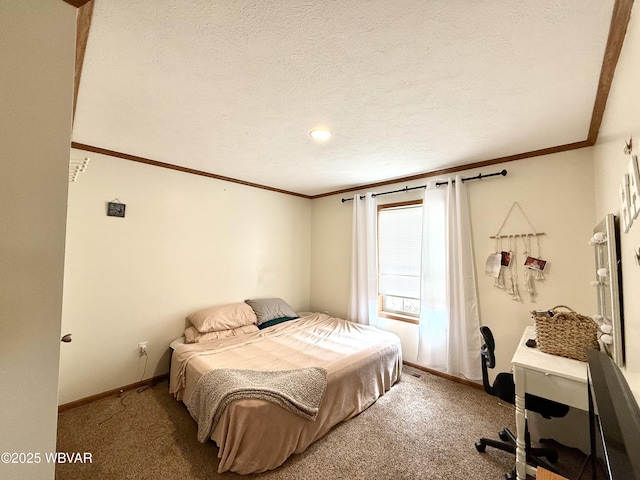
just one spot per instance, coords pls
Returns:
(362, 363)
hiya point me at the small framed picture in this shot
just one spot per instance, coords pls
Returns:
(115, 209)
(535, 263)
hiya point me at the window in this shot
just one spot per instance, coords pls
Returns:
(399, 254)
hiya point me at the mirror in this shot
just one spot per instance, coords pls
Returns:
(605, 241)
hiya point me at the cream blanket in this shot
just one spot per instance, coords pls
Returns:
(300, 391)
(254, 435)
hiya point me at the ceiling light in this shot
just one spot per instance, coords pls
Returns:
(320, 134)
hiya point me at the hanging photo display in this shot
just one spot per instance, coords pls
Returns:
(514, 250)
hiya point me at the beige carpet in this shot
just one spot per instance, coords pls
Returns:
(424, 428)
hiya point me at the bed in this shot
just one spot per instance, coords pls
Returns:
(360, 363)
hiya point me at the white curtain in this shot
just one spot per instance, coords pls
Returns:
(449, 339)
(363, 295)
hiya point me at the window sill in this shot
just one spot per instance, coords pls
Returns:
(399, 317)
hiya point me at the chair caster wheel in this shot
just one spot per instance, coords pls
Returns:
(552, 457)
(503, 436)
(481, 447)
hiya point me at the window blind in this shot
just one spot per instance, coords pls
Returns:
(399, 244)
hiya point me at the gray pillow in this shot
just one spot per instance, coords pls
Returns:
(269, 308)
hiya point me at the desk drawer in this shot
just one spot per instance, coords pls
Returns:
(561, 389)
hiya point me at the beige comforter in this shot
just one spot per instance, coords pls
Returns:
(362, 363)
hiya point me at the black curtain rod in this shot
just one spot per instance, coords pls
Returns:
(406, 189)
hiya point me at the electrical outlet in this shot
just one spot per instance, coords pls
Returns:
(142, 348)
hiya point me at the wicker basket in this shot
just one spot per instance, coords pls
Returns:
(565, 333)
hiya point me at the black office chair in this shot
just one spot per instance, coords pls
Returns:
(504, 388)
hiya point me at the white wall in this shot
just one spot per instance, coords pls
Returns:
(37, 44)
(185, 243)
(555, 192)
(621, 121)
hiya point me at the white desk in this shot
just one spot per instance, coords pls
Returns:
(549, 376)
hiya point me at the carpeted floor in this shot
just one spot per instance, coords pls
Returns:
(424, 428)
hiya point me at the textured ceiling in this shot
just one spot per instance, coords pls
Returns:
(407, 87)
